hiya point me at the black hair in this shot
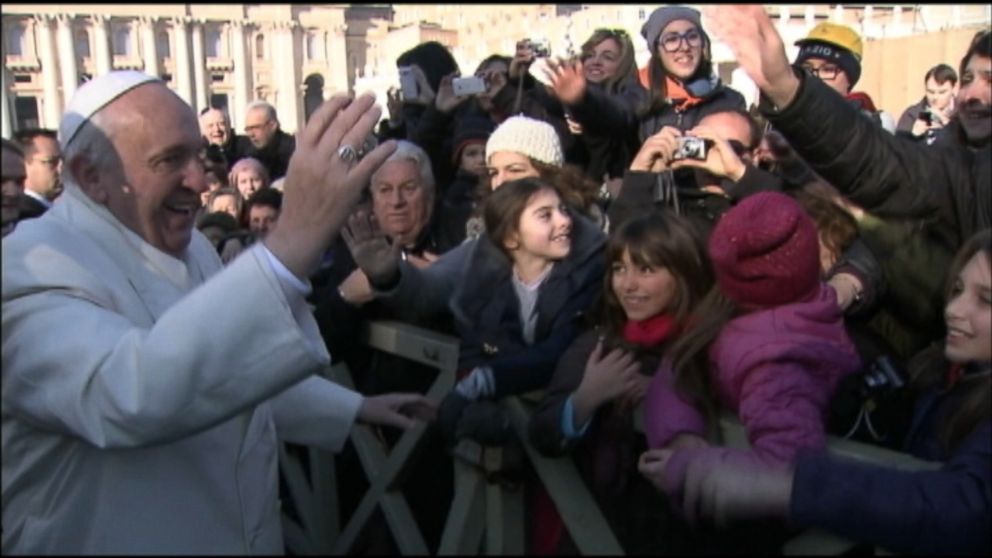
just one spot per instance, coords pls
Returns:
(433, 58)
(266, 196)
(941, 73)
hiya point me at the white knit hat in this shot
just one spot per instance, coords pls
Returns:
(534, 138)
(93, 96)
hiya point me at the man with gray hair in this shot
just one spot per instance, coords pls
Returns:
(152, 424)
(215, 127)
(269, 144)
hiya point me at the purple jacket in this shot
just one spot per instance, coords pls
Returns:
(776, 369)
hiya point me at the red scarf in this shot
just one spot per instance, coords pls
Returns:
(954, 374)
(652, 331)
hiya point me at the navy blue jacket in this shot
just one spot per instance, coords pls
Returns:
(487, 311)
(946, 511)
(474, 282)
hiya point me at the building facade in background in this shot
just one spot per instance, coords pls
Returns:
(296, 55)
(291, 55)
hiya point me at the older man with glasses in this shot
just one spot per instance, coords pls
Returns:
(269, 144)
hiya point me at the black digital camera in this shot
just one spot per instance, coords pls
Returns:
(926, 115)
(691, 147)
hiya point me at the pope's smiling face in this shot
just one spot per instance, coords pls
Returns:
(153, 185)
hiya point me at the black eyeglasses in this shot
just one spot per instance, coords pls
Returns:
(825, 72)
(739, 148)
(671, 42)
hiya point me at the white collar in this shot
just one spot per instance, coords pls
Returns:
(173, 269)
(44, 201)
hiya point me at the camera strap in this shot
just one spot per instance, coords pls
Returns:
(666, 192)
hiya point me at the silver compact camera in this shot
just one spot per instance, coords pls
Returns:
(541, 48)
(691, 147)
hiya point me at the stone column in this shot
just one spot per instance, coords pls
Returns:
(49, 72)
(182, 59)
(199, 67)
(242, 88)
(101, 43)
(337, 81)
(7, 115)
(838, 15)
(286, 59)
(67, 56)
(148, 47)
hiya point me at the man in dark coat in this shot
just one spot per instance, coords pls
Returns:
(947, 184)
(269, 144)
(43, 170)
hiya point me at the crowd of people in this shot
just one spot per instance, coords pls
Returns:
(609, 237)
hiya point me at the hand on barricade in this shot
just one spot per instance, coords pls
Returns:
(325, 180)
(374, 254)
(719, 484)
(448, 415)
(402, 410)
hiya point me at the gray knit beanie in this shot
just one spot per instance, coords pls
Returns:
(660, 19)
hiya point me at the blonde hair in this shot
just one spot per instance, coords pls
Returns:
(627, 69)
(247, 164)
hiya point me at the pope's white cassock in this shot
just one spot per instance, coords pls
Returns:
(142, 404)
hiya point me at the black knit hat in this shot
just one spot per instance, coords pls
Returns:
(468, 129)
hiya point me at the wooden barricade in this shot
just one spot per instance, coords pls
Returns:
(485, 515)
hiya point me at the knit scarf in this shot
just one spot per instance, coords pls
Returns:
(679, 95)
(650, 332)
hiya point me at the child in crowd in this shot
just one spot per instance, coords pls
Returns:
(248, 175)
(945, 511)
(227, 200)
(515, 293)
(524, 147)
(656, 273)
(457, 203)
(767, 343)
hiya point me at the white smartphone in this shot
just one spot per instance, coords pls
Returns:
(408, 83)
(468, 86)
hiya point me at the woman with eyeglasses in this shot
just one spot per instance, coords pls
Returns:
(679, 77)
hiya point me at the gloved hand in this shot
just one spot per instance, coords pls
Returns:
(448, 415)
(485, 422)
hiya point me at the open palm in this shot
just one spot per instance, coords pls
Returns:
(370, 248)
